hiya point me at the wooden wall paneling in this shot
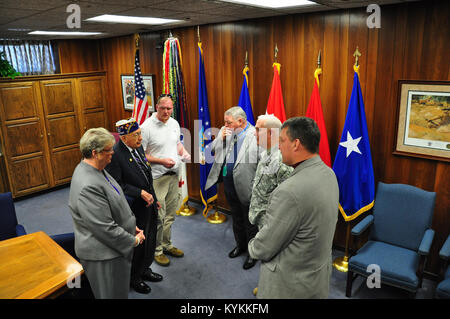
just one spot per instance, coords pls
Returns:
(414, 42)
(79, 55)
(24, 138)
(230, 65)
(383, 111)
(329, 87)
(93, 104)
(262, 57)
(288, 58)
(117, 59)
(314, 29)
(435, 57)
(398, 52)
(343, 85)
(62, 126)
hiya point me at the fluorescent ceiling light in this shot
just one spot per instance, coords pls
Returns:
(19, 30)
(68, 33)
(129, 19)
(273, 3)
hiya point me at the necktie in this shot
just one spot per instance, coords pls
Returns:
(141, 165)
(227, 159)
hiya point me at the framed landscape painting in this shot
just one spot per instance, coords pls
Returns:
(423, 121)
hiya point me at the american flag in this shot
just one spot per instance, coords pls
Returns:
(140, 110)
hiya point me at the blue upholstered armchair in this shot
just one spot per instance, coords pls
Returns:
(9, 227)
(443, 288)
(400, 237)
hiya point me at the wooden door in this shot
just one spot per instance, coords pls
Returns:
(24, 138)
(62, 123)
(92, 102)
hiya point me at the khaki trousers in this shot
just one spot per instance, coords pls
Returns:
(168, 195)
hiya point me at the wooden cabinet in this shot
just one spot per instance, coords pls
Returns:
(42, 120)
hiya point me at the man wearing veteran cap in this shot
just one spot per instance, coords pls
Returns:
(131, 170)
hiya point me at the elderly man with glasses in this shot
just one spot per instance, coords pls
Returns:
(131, 170)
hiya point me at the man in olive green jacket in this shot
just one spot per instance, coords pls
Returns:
(295, 243)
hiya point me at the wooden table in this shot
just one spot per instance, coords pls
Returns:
(35, 266)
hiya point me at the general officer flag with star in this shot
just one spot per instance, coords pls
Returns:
(353, 162)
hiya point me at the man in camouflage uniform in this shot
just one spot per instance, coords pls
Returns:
(270, 171)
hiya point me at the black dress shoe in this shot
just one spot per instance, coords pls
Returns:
(149, 275)
(249, 262)
(236, 252)
(141, 287)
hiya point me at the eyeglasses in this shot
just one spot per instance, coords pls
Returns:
(109, 151)
(137, 134)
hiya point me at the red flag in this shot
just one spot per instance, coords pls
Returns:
(314, 111)
(275, 105)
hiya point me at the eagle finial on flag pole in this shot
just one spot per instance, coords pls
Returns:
(136, 40)
(356, 54)
(276, 53)
(318, 70)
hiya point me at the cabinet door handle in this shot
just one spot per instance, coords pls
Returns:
(48, 134)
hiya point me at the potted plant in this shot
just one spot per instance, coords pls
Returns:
(6, 69)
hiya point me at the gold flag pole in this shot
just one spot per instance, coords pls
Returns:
(341, 263)
(215, 218)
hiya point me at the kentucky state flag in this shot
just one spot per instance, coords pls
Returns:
(353, 162)
(244, 99)
(204, 140)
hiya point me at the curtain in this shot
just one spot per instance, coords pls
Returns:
(29, 57)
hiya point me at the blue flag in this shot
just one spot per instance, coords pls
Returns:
(353, 162)
(204, 139)
(244, 99)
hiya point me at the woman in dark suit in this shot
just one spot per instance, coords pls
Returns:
(104, 226)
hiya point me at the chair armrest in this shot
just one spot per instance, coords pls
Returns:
(20, 230)
(444, 253)
(362, 225)
(67, 242)
(427, 240)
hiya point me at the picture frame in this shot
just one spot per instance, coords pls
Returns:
(127, 82)
(423, 119)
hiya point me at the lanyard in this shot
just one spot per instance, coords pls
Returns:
(110, 182)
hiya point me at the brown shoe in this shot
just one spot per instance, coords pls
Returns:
(162, 260)
(175, 252)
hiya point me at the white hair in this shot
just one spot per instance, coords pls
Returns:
(236, 112)
(270, 121)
